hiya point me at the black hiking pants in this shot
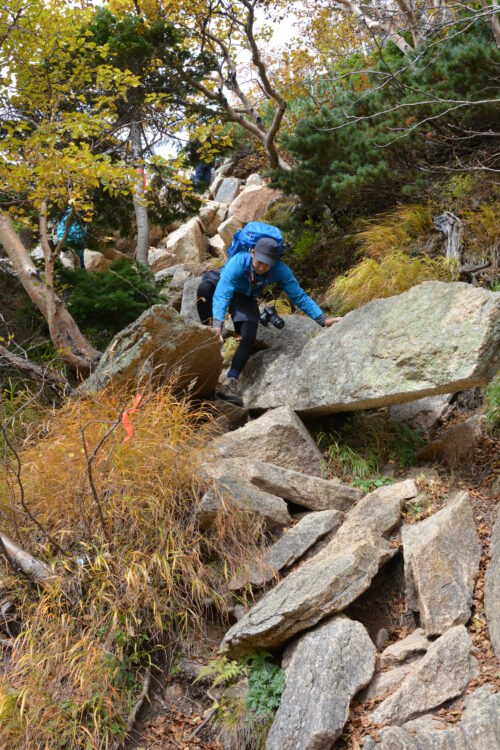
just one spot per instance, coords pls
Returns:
(243, 310)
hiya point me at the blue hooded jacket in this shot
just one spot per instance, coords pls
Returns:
(238, 275)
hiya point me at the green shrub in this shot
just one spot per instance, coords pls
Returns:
(492, 405)
(107, 301)
(245, 723)
(358, 449)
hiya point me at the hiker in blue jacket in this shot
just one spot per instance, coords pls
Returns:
(236, 288)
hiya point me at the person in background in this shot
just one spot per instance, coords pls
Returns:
(76, 235)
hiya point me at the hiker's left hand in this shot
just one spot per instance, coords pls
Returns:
(330, 321)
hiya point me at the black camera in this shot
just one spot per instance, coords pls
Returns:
(269, 315)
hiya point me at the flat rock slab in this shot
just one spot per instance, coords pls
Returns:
(413, 645)
(292, 545)
(492, 590)
(308, 491)
(442, 555)
(328, 666)
(189, 311)
(435, 338)
(331, 580)
(160, 346)
(478, 729)
(228, 190)
(278, 437)
(385, 683)
(442, 674)
(230, 491)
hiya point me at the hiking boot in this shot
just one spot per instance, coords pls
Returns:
(229, 391)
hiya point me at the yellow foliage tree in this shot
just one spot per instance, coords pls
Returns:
(50, 145)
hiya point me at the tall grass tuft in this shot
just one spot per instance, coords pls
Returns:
(392, 274)
(136, 573)
(404, 228)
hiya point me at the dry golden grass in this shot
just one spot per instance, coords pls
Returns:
(137, 572)
(392, 274)
(404, 228)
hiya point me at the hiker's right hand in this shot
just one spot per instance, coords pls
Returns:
(219, 332)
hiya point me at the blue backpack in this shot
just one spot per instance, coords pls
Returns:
(245, 239)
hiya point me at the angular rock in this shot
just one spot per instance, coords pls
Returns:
(385, 683)
(292, 545)
(478, 728)
(422, 414)
(330, 581)
(492, 590)
(95, 261)
(329, 665)
(159, 259)
(168, 273)
(252, 203)
(435, 338)
(230, 490)
(216, 245)
(188, 243)
(160, 345)
(254, 179)
(413, 645)
(189, 310)
(442, 555)
(277, 437)
(212, 215)
(442, 674)
(228, 190)
(305, 490)
(227, 229)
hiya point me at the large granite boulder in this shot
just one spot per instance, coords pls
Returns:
(278, 437)
(331, 580)
(298, 330)
(442, 674)
(252, 203)
(188, 243)
(478, 728)
(435, 338)
(160, 346)
(328, 666)
(308, 491)
(442, 555)
(492, 590)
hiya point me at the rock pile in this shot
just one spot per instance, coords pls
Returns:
(330, 543)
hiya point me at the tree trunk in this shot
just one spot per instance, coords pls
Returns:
(453, 229)
(139, 198)
(71, 346)
(34, 569)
